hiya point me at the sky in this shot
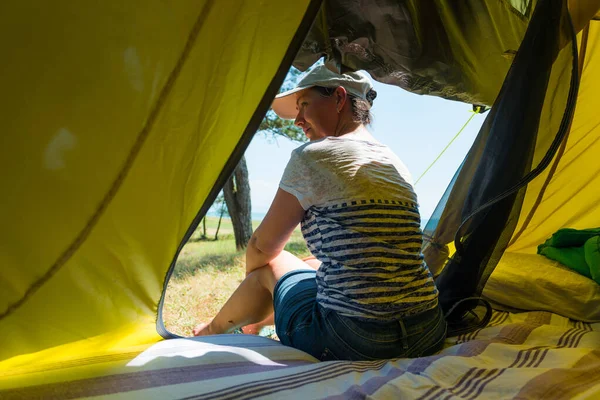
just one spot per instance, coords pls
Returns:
(415, 127)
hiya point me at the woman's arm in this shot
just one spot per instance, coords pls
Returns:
(274, 231)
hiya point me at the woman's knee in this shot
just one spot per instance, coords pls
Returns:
(264, 276)
(269, 274)
(283, 258)
(286, 262)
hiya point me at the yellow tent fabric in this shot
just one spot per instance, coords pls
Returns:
(571, 196)
(117, 130)
(566, 195)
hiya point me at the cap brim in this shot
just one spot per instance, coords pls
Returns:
(284, 104)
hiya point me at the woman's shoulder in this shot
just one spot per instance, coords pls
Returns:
(332, 143)
(341, 152)
(314, 148)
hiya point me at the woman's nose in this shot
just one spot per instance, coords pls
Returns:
(299, 120)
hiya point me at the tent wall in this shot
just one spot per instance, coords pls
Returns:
(571, 198)
(119, 118)
(482, 205)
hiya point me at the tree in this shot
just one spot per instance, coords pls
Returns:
(203, 228)
(237, 187)
(222, 207)
(237, 198)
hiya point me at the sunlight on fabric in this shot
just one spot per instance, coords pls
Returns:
(195, 349)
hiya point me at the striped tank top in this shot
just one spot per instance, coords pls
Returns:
(363, 224)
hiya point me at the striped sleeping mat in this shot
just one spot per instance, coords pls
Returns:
(531, 355)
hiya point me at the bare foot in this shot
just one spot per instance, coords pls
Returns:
(254, 329)
(202, 329)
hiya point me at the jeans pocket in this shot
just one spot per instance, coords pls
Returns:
(431, 341)
(436, 346)
(345, 344)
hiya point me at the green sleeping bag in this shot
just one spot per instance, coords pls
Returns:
(578, 249)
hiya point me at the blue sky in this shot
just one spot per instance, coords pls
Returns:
(416, 128)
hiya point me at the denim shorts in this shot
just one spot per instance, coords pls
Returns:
(302, 323)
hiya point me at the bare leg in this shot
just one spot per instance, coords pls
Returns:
(252, 301)
(312, 262)
(254, 329)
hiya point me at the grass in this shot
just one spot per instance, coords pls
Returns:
(206, 274)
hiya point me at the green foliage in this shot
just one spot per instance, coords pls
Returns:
(297, 246)
(291, 79)
(219, 205)
(275, 126)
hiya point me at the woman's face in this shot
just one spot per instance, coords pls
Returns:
(317, 114)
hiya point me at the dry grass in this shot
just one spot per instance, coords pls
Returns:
(206, 274)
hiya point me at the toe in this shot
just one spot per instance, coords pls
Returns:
(200, 329)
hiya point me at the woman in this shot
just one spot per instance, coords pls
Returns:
(371, 296)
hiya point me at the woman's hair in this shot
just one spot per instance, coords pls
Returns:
(360, 107)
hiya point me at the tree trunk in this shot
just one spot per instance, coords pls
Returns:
(237, 198)
(220, 219)
(204, 228)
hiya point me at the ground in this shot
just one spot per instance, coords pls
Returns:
(206, 274)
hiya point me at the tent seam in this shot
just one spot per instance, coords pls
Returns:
(123, 172)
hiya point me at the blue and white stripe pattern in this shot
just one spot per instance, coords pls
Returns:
(371, 254)
(363, 224)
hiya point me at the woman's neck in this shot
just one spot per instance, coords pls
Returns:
(355, 130)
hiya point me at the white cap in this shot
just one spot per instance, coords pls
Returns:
(356, 83)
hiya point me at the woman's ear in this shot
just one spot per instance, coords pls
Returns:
(340, 97)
